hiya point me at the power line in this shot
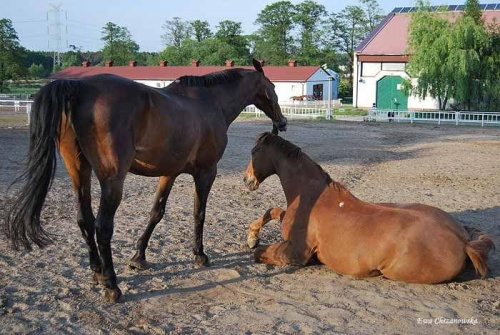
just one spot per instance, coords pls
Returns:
(54, 22)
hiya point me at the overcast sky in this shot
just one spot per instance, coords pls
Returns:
(84, 19)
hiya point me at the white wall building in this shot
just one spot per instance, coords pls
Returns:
(311, 82)
(380, 61)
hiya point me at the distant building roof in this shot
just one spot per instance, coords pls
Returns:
(274, 73)
(390, 37)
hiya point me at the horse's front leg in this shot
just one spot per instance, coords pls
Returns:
(284, 253)
(138, 261)
(255, 227)
(203, 183)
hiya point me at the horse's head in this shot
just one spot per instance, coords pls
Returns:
(266, 99)
(260, 166)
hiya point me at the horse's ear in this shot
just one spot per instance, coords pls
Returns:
(257, 65)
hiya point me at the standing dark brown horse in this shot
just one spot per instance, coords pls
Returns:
(407, 242)
(111, 125)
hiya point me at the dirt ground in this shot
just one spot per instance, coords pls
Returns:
(454, 168)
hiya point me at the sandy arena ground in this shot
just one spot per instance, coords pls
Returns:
(454, 168)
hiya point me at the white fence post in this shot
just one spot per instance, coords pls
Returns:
(28, 111)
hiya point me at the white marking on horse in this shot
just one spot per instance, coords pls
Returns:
(341, 204)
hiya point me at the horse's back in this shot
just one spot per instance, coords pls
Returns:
(164, 133)
(407, 242)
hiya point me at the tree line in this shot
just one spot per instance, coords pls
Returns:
(457, 63)
(306, 32)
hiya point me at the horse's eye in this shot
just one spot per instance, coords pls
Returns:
(254, 150)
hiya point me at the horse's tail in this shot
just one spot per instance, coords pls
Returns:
(22, 223)
(478, 248)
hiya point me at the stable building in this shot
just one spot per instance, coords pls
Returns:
(309, 82)
(380, 60)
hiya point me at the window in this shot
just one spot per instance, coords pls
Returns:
(370, 69)
(393, 66)
(318, 92)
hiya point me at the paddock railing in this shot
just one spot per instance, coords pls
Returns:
(16, 107)
(445, 117)
(291, 111)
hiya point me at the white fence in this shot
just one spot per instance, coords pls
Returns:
(439, 117)
(292, 111)
(16, 107)
(312, 103)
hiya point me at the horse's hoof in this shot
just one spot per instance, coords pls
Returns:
(253, 242)
(139, 264)
(97, 279)
(113, 295)
(201, 260)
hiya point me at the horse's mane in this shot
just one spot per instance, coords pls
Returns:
(212, 79)
(290, 150)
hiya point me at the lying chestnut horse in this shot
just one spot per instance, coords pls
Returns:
(408, 242)
(110, 125)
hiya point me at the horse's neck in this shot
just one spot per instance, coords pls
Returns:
(240, 95)
(301, 178)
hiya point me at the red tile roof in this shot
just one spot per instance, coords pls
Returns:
(274, 73)
(391, 36)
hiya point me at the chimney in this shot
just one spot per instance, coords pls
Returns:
(195, 62)
(132, 63)
(229, 63)
(163, 63)
(109, 63)
(262, 62)
(85, 63)
(292, 63)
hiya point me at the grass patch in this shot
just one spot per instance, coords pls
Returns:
(13, 120)
(349, 110)
(25, 87)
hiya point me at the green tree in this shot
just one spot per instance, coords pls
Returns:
(176, 31)
(345, 31)
(228, 37)
(428, 41)
(276, 24)
(201, 30)
(119, 46)
(73, 57)
(308, 17)
(43, 58)
(181, 55)
(473, 11)
(373, 14)
(454, 60)
(37, 71)
(469, 42)
(11, 60)
(491, 71)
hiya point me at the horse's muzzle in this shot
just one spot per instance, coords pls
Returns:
(251, 183)
(281, 124)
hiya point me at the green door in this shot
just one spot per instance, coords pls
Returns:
(390, 93)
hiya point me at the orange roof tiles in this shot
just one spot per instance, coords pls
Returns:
(391, 36)
(274, 73)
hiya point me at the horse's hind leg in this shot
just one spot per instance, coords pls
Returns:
(255, 227)
(80, 172)
(111, 195)
(138, 261)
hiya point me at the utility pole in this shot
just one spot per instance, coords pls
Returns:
(54, 31)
